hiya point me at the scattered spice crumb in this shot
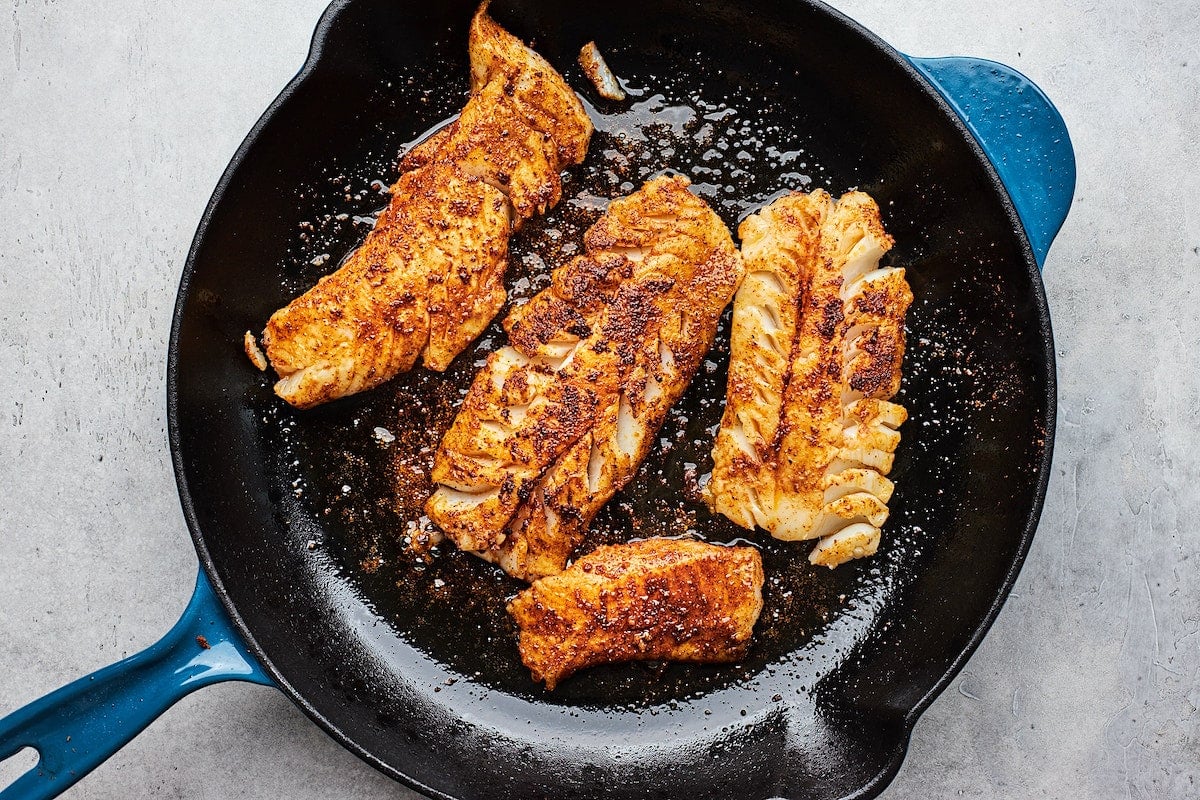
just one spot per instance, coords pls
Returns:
(204, 645)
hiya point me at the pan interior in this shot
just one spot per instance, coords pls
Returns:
(312, 519)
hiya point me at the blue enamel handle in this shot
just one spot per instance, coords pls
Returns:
(1022, 134)
(77, 727)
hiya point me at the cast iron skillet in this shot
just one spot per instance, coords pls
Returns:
(401, 650)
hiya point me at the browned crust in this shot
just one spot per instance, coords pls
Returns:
(786, 430)
(636, 313)
(430, 275)
(658, 599)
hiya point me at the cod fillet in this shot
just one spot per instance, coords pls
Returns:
(808, 433)
(655, 599)
(430, 275)
(559, 420)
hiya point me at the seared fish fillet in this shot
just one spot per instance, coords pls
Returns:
(559, 420)
(657, 599)
(430, 275)
(818, 339)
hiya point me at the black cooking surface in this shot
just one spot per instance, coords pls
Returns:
(313, 519)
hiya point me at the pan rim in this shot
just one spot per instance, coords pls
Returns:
(312, 63)
(1029, 528)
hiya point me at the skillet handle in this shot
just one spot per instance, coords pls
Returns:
(1022, 134)
(77, 727)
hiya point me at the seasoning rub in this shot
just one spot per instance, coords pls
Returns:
(558, 421)
(660, 599)
(808, 433)
(430, 275)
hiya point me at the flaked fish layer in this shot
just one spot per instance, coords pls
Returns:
(558, 421)
(809, 431)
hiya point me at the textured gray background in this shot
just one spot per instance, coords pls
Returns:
(116, 120)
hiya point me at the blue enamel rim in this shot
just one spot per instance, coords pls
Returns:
(1022, 134)
(1018, 135)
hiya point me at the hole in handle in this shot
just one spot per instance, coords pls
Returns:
(17, 765)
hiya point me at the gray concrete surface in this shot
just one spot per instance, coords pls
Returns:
(116, 120)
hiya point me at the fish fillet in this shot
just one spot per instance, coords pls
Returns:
(808, 434)
(430, 275)
(656, 599)
(558, 421)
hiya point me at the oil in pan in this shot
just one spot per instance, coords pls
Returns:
(361, 465)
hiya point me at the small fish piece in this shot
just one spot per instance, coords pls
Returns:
(809, 431)
(558, 421)
(430, 275)
(254, 352)
(655, 599)
(596, 68)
